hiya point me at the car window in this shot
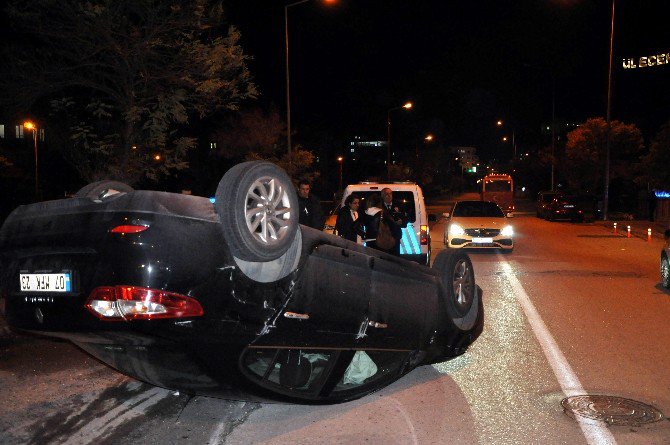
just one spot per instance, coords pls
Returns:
(291, 371)
(367, 368)
(548, 197)
(404, 200)
(498, 186)
(476, 209)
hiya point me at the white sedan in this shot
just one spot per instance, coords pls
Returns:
(478, 225)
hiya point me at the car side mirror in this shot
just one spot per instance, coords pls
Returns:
(510, 215)
(432, 217)
(666, 234)
(446, 214)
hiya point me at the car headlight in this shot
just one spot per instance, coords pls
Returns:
(507, 231)
(455, 229)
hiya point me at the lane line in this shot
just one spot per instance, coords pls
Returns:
(125, 412)
(408, 420)
(595, 432)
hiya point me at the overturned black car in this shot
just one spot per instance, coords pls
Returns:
(232, 299)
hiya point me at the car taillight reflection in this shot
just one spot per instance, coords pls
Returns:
(123, 229)
(424, 235)
(118, 303)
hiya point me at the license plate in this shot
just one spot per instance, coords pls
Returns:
(45, 282)
(482, 240)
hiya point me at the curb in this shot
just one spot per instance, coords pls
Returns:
(638, 229)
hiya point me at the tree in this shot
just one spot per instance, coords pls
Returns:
(655, 164)
(125, 79)
(585, 153)
(251, 131)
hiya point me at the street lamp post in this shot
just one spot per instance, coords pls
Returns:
(500, 124)
(553, 117)
(340, 160)
(288, 83)
(406, 106)
(31, 126)
(609, 125)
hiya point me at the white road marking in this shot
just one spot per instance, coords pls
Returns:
(123, 413)
(217, 435)
(408, 420)
(595, 432)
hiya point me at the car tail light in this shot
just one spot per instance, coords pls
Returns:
(117, 303)
(129, 229)
(424, 235)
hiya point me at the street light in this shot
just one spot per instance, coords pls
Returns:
(340, 160)
(288, 94)
(31, 126)
(609, 125)
(500, 124)
(406, 106)
(553, 117)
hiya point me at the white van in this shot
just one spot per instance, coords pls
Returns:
(415, 242)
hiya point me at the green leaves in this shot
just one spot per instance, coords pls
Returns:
(126, 79)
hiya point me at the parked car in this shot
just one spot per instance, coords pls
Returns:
(576, 208)
(234, 298)
(543, 200)
(415, 244)
(478, 225)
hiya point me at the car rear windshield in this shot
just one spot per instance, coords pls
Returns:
(403, 200)
(477, 209)
(548, 197)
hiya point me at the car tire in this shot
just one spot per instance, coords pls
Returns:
(508, 251)
(268, 233)
(103, 189)
(458, 281)
(269, 271)
(665, 271)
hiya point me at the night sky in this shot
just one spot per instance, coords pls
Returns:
(463, 64)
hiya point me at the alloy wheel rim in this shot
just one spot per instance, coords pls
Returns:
(268, 211)
(665, 271)
(463, 288)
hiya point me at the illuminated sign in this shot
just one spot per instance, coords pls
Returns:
(662, 194)
(645, 61)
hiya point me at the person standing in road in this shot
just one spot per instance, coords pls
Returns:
(398, 216)
(377, 214)
(348, 223)
(310, 207)
(395, 215)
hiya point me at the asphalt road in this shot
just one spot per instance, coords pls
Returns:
(573, 310)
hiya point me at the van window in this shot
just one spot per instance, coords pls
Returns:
(404, 201)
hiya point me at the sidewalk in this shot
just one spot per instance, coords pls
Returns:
(638, 228)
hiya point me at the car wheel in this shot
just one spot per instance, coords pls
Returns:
(458, 281)
(665, 272)
(102, 189)
(508, 251)
(258, 208)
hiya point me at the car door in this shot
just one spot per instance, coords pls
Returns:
(403, 306)
(329, 302)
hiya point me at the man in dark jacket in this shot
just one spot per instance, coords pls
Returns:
(396, 216)
(310, 207)
(375, 215)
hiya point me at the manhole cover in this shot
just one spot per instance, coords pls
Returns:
(611, 410)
